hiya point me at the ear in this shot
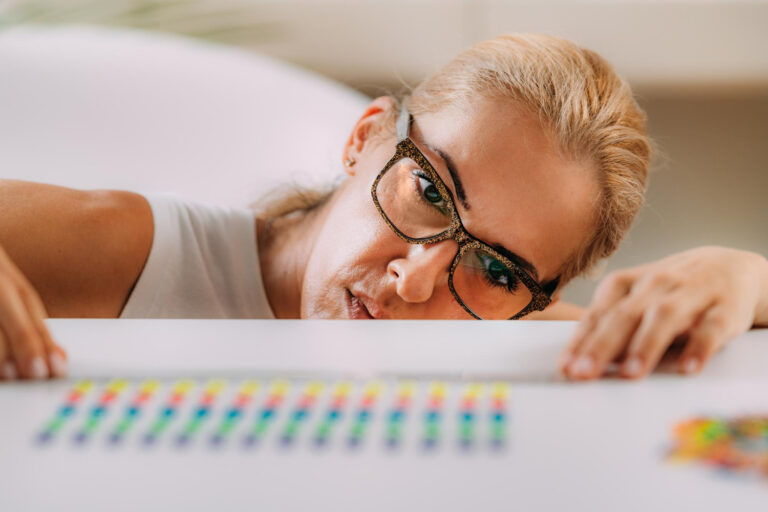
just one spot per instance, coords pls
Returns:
(360, 135)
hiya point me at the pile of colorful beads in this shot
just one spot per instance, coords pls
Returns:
(737, 445)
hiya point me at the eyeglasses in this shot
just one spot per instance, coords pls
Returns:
(416, 204)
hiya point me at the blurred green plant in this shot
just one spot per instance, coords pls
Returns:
(238, 22)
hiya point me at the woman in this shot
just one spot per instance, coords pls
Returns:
(480, 195)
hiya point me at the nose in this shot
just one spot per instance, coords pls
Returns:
(425, 267)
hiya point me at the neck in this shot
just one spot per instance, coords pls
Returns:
(284, 245)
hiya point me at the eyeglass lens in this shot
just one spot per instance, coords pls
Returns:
(412, 202)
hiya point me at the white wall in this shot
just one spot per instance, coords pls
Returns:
(712, 186)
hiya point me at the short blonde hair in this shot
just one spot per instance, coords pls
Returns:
(575, 93)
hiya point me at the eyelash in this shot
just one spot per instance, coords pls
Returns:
(418, 173)
(421, 174)
(511, 286)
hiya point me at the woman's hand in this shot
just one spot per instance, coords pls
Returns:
(26, 348)
(700, 298)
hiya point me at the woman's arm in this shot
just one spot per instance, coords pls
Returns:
(63, 253)
(81, 250)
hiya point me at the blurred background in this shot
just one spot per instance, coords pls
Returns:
(699, 69)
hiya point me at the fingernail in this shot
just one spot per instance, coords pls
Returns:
(58, 364)
(9, 371)
(633, 366)
(39, 369)
(565, 360)
(582, 366)
(691, 365)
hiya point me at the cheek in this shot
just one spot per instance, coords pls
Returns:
(353, 237)
(444, 306)
(353, 244)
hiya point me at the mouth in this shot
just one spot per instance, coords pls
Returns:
(356, 310)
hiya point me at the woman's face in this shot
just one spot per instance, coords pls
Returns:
(521, 192)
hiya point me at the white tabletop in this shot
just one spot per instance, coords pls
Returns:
(570, 446)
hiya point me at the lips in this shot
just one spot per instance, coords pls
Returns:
(356, 308)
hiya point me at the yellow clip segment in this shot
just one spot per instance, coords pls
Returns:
(342, 388)
(183, 386)
(249, 387)
(374, 388)
(149, 386)
(437, 389)
(313, 388)
(500, 390)
(117, 385)
(406, 388)
(84, 386)
(215, 387)
(473, 390)
(280, 387)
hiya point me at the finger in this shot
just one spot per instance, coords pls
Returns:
(611, 336)
(606, 341)
(709, 336)
(56, 359)
(7, 368)
(23, 340)
(56, 356)
(664, 320)
(613, 288)
(671, 356)
(8, 271)
(585, 325)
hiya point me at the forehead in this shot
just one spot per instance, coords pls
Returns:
(523, 193)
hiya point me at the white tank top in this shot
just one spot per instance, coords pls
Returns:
(204, 263)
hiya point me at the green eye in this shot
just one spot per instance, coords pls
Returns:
(498, 271)
(429, 190)
(429, 193)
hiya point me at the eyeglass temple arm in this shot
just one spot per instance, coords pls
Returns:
(403, 124)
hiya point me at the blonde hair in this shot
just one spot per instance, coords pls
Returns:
(578, 96)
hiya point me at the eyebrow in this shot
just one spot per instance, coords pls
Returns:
(457, 185)
(518, 260)
(515, 258)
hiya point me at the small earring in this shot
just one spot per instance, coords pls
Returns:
(350, 162)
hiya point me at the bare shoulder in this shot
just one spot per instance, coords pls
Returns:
(82, 250)
(558, 311)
